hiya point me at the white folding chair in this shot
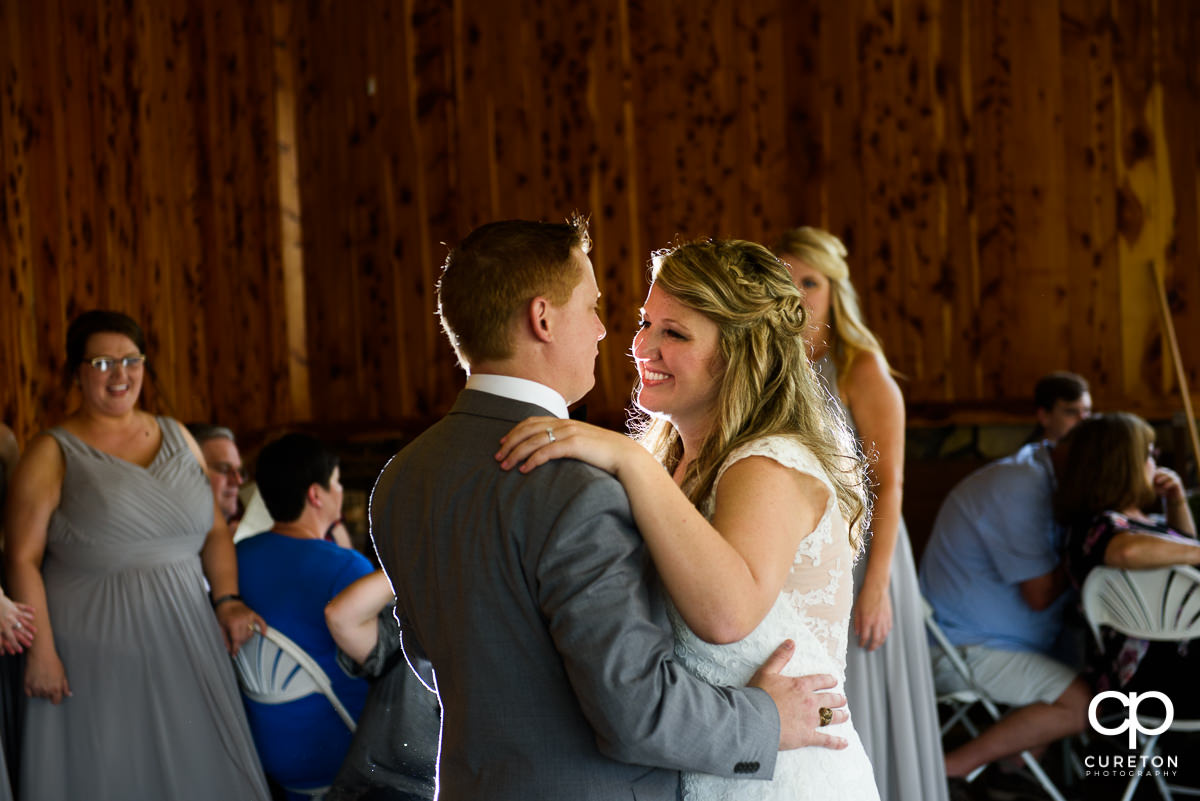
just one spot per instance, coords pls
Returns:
(961, 702)
(1161, 604)
(274, 670)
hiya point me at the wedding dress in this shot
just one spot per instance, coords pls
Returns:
(892, 686)
(813, 609)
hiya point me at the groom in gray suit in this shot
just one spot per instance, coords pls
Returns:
(533, 595)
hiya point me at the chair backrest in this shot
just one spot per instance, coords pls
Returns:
(1158, 604)
(951, 653)
(274, 670)
(944, 643)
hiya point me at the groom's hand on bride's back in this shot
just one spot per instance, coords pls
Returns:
(799, 700)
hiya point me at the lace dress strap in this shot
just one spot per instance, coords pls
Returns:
(793, 454)
(788, 451)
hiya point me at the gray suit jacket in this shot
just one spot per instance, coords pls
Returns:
(535, 600)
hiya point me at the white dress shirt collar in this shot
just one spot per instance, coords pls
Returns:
(520, 389)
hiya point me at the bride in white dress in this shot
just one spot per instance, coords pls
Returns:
(748, 525)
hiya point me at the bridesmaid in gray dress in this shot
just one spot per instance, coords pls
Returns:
(112, 532)
(889, 682)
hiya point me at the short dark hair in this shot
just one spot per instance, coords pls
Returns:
(203, 432)
(1105, 467)
(97, 321)
(495, 272)
(1056, 386)
(285, 470)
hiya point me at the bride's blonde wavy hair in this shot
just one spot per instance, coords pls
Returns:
(767, 386)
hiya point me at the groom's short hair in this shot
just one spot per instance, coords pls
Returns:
(490, 278)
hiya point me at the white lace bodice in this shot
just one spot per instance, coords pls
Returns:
(814, 607)
(814, 610)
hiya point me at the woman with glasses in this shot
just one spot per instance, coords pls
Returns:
(1111, 477)
(112, 536)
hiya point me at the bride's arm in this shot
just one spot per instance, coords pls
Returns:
(723, 577)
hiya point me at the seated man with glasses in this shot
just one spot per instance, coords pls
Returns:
(225, 471)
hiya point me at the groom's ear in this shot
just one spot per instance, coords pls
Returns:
(539, 318)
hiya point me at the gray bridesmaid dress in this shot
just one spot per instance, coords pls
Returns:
(155, 711)
(890, 690)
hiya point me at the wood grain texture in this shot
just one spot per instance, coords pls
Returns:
(270, 188)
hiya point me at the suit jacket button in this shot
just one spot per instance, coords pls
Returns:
(746, 767)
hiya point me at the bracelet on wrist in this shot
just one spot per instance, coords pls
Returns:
(233, 596)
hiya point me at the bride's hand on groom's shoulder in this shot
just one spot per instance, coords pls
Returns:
(537, 440)
(800, 700)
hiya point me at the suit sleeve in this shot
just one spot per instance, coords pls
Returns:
(595, 588)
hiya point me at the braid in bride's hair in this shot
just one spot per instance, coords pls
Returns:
(768, 386)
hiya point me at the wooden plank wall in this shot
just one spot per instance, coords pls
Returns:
(139, 174)
(234, 174)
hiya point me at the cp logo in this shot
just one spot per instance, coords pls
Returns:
(1132, 723)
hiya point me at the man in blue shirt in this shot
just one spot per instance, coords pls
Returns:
(1061, 399)
(992, 574)
(287, 575)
